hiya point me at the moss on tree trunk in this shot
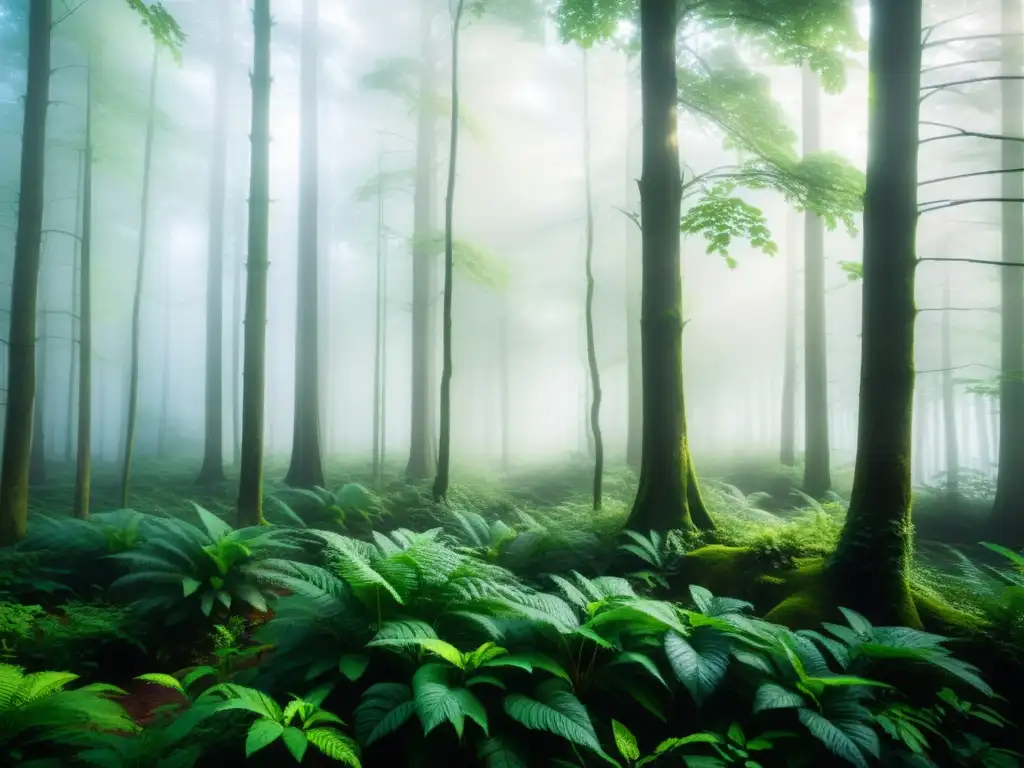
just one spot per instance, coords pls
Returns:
(250, 482)
(869, 570)
(667, 496)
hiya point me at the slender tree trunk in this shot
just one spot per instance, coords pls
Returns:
(83, 463)
(787, 449)
(140, 276)
(37, 455)
(421, 444)
(444, 443)
(378, 328)
(236, 352)
(1007, 520)
(668, 495)
(69, 413)
(21, 348)
(250, 481)
(984, 438)
(595, 374)
(504, 383)
(817, 474)
(919, 447)
(384, 364)
(950, 444)
(307, 466)
(871, 563)
(633, 281)
(212, 470)
(165, 378)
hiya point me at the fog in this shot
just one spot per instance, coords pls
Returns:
(519, 198)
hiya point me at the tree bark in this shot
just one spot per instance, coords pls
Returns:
(787, 432)
(950, 443)
(69, 412)
(21, 350)
(212, 470)
(817, 473)
(668, 496)
(250, 481)
(37, 455)
(307, 467)
(444, 443)
(1006, 523)
(83, 461)
(236, 352)
(505, 382)
(140, 276)
(421, 445)
(984, 439)
(378, 329)
(633, 279)
(871, 563)
(595, 374)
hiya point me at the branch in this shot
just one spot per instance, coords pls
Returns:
(950, 64)
(961, 133)
(932, 27)
(938, 205)
(957, 309)
(967, 39)
(969, 175)
(68, 13)
(958, 368)
(61, 232)
(970, 81)
(634, 217)
(976, 261)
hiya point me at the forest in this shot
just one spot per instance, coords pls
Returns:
(512, 383)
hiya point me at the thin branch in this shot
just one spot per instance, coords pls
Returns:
(932, 27)
(986, 262)
(961, 133)
(970, 81)
(938, 205)
(951, 64)
(959, 368)
(635, 218)
(968, 38)
(969, 175)
(62, 232)
(68, 13)
(957, 309)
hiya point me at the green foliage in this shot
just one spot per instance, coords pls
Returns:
(161, 25)
(721, 217)
(478, 264)
(182, 568)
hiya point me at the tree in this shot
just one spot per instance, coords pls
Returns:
(595, 374)
(21, 373)
(787, 439)
(140, 274)
(717, 86)
(634, 364)
(817, 477)
(1007, 520)
(441, 480)
(83, 460)
(306, 469)
(250, 481)
(212, 470)
(869, 569)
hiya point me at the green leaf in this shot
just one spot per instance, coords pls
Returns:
(625, 742)
(353, 665)
(296, 742)
(500, 753)
(437, 701)
(774, 696)
(632, 657)
(832, 737)
(189, 586)
(720, 217)
(335, 745)
(556, 711)
(262, 733)
(530, 661)
(385, 708)
(167, 681)
(670, 745)
(701, 662)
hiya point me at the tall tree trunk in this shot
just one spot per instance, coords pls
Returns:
(444, 443)
(236, 351)
(21, 348)
(83, 461)
(919, 472)
(384, 364)
(421, 444)
(1007, 520)
(668, 495)
(250, 481)
(950, 444)
(378, 327)
(787, 432)
(212, 470)
(307, 467)
(633, 281)
(69, 413)
(140, 276)
(595, 374)
(37, 455)
(504, 383)
(817, 475)
(984, 439)
(871, 563)
(162, 436)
